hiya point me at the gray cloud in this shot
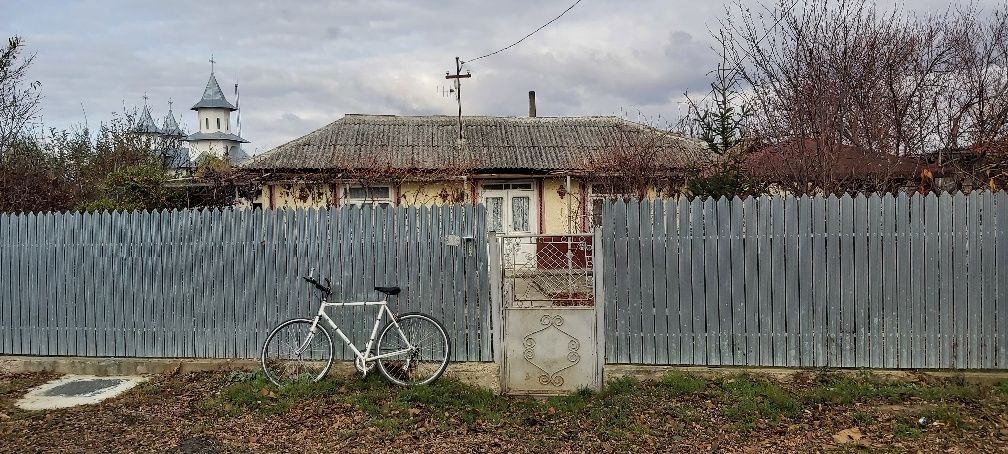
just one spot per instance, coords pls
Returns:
(303, 64)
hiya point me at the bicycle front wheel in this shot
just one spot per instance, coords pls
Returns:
(292, 353)
(423, 350)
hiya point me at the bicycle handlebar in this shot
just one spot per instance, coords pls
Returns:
(322, 288)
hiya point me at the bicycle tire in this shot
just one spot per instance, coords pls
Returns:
(396, 369)
(270, 357)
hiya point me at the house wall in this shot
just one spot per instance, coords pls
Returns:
(434, 193)
(558, 214)
(296, 195)
(562, 214)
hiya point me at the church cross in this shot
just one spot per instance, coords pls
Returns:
(212, 61)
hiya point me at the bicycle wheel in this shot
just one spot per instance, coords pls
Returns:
(423, 363)
(293, 354)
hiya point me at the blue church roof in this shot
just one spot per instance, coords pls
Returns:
(213, 97)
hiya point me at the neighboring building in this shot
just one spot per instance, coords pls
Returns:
(534, 174)
(167, 140)
(213, 136)
(804, 165)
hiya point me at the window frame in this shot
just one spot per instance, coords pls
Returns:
(388, 200)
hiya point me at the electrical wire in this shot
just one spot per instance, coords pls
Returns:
(526, 36)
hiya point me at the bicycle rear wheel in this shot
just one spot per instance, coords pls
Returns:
(421, 364)
(292, 353)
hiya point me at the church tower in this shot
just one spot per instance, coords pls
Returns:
(213, 136)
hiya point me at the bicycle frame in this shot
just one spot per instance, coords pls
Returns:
(364, 356)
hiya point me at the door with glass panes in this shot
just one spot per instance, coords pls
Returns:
(511, 207)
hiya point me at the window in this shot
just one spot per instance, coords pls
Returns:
(520, 213)
(600, 194)
(208, 124)
(506, 186)
(218, 122)
(495, 214)
(375, 195)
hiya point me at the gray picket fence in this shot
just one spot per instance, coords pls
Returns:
(212, 283)
(866, 281)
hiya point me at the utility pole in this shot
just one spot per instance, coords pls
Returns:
(457, 78)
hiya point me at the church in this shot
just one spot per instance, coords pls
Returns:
(213, 136)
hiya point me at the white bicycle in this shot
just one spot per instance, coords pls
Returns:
(412, 349)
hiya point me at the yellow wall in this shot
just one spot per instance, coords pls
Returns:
(559, 215)
(296, 195)
(562, 214)
(434, 193)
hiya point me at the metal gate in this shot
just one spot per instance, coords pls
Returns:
(545, 289)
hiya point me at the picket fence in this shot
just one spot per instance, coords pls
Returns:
(212, 283)
(865, 281)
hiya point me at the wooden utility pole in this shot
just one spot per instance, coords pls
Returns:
(457, 78)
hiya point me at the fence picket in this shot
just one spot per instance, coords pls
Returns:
(725, 341)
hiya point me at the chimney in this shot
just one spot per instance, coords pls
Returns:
(532, 107)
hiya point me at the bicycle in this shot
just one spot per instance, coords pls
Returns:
(413, 348)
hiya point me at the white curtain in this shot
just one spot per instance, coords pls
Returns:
(520, 214)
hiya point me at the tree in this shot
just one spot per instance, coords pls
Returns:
(18, 100)
(136, 187)
(722, 126)
(843, 75)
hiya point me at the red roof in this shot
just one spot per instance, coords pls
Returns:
(797, 159)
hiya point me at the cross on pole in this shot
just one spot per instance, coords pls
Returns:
(145, 99)
(212, 61)
(457, 78)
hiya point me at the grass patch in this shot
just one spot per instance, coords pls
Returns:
(748, 399)
(1002, 388)
(846, 389)
(946, 414)
(863, 419)
(454, 397)
(679, 384)
(903, 429)
(618, 387)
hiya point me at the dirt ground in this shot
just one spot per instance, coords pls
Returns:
(238, 413)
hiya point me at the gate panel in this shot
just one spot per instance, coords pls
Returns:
(548, 287)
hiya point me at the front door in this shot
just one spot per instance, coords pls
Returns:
(511, 207)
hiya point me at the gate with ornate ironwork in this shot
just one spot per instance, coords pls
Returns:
(545, 289)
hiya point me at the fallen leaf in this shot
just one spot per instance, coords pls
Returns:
(850, 435)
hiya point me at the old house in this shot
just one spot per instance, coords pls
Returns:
(533, 174)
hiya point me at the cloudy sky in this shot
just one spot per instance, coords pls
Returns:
(302, 64)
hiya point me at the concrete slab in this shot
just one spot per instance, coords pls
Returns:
(74, 390)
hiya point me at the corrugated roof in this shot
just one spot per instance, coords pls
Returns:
(431, 142)
(213, 97)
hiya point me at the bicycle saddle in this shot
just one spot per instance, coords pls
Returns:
(388, 290)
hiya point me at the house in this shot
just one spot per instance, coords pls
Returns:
(533, 174)
(807, 165)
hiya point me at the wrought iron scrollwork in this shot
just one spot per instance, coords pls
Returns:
(547, 377)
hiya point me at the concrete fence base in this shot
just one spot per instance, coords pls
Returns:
(482, 374)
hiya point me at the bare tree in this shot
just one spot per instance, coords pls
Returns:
(642, 160)
(840, 75)
(18, 100)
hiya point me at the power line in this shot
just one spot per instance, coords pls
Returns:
(526, 36)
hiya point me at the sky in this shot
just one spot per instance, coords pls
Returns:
(303, 64)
